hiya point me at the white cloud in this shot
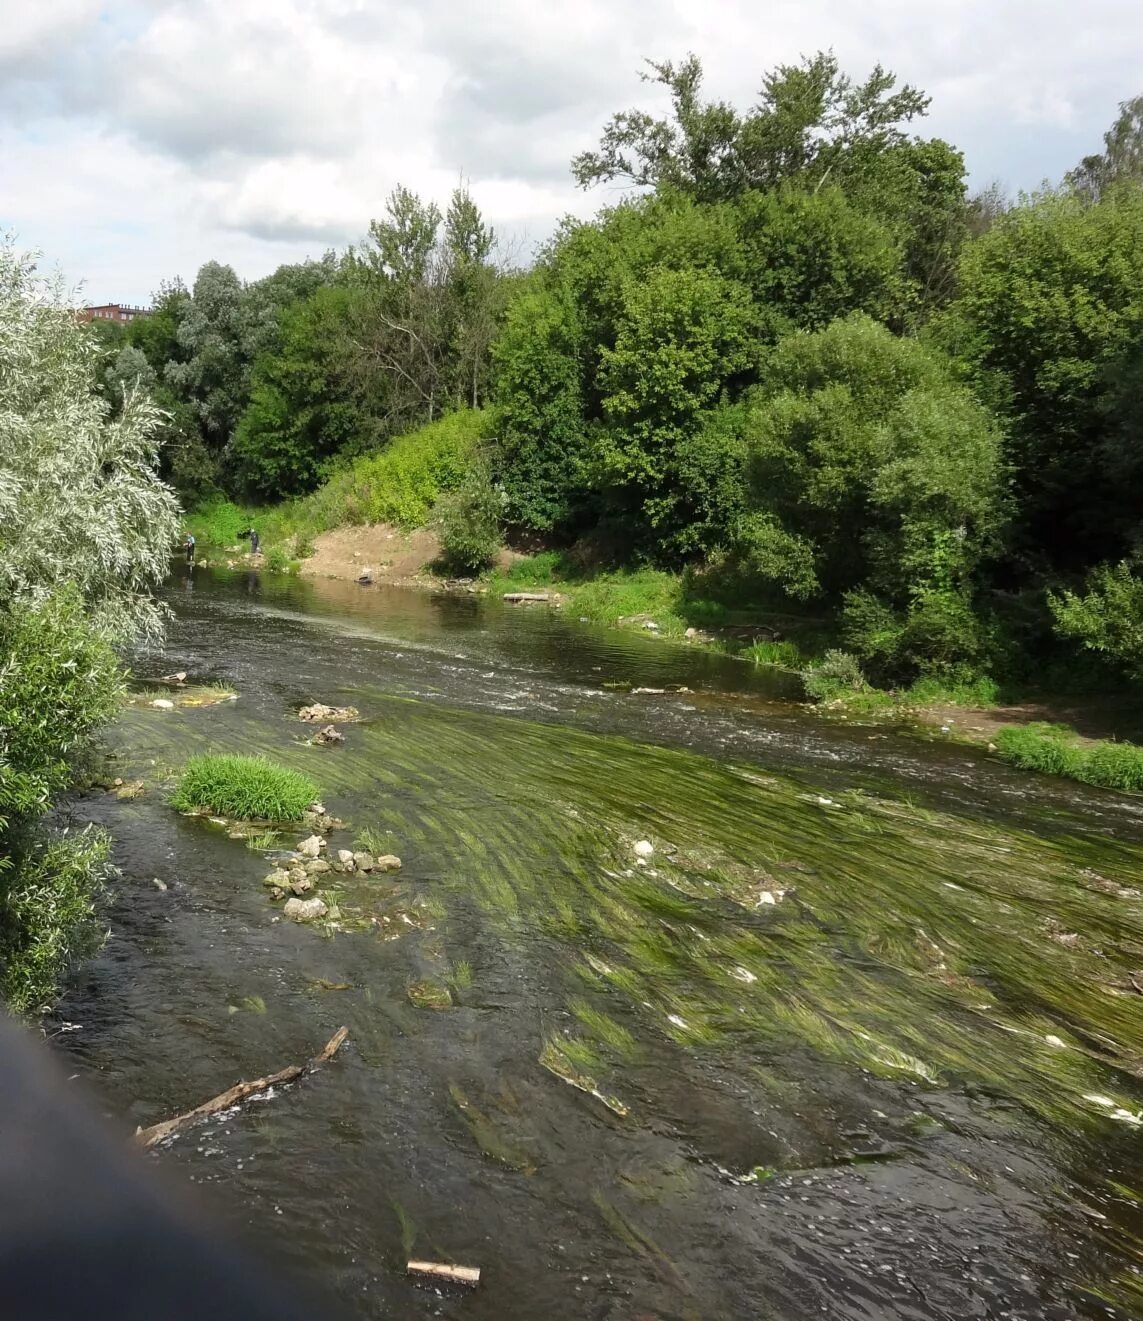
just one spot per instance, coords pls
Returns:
(140, 138)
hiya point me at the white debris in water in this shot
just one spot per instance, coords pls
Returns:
(766, 897)
(1056, 1041)
(1105, 1101)
(643, 848)
(678, 1022)
(744, 975)
(163, 703)
(826, 802)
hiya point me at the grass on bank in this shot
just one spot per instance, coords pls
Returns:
(244, 788)
(399, 484)
(1058, 750)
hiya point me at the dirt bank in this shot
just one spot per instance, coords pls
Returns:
(386, 553)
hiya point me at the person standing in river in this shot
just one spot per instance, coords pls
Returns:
(188, 548)
(255, 540)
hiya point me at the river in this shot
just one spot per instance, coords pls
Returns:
(859, 1039)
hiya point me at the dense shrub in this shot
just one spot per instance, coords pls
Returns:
(467, 521)
(837, 674)
(246, 788)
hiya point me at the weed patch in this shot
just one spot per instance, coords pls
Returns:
(1057, 750)
(246, 788)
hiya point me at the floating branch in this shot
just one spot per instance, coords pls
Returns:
(469, 1276)
(148, 1137)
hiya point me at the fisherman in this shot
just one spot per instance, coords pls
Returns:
(188, 547)
(255, 540)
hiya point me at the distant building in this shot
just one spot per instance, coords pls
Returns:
(110, 312)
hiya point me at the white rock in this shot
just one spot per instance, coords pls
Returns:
(305, 910)
(163, 703)
(363, 861)
(387, 862)
(310, 848)
(766, 897)
(643, 848)
(345, 857)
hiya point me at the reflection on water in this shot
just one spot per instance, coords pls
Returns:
(857, 1037)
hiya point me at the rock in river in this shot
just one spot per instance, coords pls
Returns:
(310, 848)
(305, 910)
(345, 860)
(280, 879)
(387, 862)
(316, 866)
(363, 861)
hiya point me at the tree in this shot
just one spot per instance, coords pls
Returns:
(1121, 159)
(875, 482)
(210, 375)
(684, 339)
(303, 409)
(542, 453)
(810, 118)
(1050, 303)
(86, 530)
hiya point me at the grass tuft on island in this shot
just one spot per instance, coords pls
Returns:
(243, 788)
(1058, 750)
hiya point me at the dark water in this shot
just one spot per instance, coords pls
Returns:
(906, 1088)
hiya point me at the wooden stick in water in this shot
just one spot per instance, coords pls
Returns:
(469, 1276)
(147, 1137)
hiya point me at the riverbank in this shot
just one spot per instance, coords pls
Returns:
(687, 608)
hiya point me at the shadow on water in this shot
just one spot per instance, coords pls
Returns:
(860, 1037)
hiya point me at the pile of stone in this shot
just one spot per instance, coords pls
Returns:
(300, 871)
(318, 713)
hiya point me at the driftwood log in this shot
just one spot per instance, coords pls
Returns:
(147, 1137)
(516, 598)
(469, 1276)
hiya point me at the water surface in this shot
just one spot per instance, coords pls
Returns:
(907, 1087)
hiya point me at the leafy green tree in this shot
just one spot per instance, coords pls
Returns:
(303, 409)
(542, 452)
(86, 530)
(683, 339)
(809, 118)
(210, 375)
(1121, 159)
(875, 482)
(1050, 302)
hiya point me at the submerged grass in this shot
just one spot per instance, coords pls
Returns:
(1058, 750)
(245, 788)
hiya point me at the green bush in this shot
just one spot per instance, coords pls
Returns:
(468, 522)
(835, 675)
(47, 911)
(245, 788)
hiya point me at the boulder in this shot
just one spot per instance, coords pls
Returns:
(330, 734)
(643, 848)
(345, 857)
(305, 910)
(311, 847)
(277, 878)
(300, 884)
(318, 712)
(297, 874)
(363, 861)
(316, 866)
(387, 862)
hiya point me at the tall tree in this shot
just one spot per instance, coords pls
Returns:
(1121, 159)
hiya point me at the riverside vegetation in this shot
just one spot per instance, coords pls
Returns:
(796, 375)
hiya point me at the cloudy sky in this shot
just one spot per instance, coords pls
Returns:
(141, 137)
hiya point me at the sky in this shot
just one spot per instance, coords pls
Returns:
(140, 138)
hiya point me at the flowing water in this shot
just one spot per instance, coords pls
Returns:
(861, 1038)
